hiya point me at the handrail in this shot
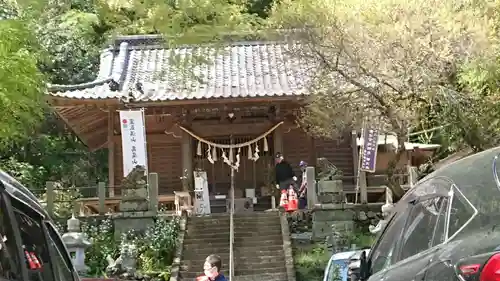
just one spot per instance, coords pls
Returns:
(231, 234)
(231, 228)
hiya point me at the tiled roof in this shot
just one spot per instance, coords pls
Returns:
(143, 70)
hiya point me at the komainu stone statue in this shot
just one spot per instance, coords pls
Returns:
(135, 191)
(327, 171)
(125, 265)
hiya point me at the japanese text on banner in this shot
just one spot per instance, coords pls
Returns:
(133, 140)
(369, 151)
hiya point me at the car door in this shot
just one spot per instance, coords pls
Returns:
(422, 235)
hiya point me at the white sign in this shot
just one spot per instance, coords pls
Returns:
(133, 140)
(201, 197)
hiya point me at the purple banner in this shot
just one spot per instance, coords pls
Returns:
(369, 150)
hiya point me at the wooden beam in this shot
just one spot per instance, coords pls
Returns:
(111, 153)
(187, 157)
(70, 102)
(213, 130)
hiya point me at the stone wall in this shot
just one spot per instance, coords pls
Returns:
(343, 220)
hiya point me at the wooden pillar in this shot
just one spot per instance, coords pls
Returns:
(278, 140)
(355, 152)
(187, 157)
(101, 194)
(360, 175)
(111, 152)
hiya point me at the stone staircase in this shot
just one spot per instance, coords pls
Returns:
(258, 246)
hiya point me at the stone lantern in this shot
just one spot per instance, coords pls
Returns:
(76, 242)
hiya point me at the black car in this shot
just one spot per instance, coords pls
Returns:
(446, 228)
(30, 247)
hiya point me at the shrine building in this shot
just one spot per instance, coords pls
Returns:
(246, 91)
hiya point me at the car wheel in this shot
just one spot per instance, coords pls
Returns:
(353, 277)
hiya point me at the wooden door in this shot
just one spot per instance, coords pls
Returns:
(251, 174)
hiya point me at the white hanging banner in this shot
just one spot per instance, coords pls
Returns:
(133, 140)
(201, 196)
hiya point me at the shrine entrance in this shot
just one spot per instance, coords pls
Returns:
(252, 173)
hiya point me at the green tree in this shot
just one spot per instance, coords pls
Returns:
(382, 60)
(21, 85)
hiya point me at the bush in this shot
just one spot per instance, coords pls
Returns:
(101, 234)
(156, 247)
(310, 264)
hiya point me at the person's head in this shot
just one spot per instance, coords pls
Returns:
(279, 157)
(212, 266)
(303, 165)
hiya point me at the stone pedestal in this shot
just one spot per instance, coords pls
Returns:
(134, 200)
(137, 221)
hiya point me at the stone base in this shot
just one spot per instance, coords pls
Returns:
(323, 220)
(137, 221)
(133, 205)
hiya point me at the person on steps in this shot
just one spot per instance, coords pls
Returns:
(284, 174)
(211, 269)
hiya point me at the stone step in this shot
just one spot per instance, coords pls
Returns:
(237, 218)
(270, 257)
(247, 227)
(211, 224)
(244, 228)
(237, 239)
(246, 273)
(272, 230)
(239, 260)
(239, 244)
(238, 215)
(240, 265)
(279, 276)
(202, 253)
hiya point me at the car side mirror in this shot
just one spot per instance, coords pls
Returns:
(364, 267)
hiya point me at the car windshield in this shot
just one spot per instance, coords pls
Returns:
(472, 185)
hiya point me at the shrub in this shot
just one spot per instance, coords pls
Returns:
(310, 264)
(155, 247)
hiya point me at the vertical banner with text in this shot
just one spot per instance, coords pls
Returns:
(133, 140)
(369, 149)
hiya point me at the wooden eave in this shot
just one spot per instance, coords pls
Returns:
(71, 102)
(88, 123)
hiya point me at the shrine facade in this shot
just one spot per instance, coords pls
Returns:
(248, 94)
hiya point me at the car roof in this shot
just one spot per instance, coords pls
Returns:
(20, 193)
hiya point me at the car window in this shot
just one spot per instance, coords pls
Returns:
(33, 243)
(334, 272)
(461, 212)
(8, 255)
(421, 229)
(439, 234)
(62, 263)
(382, 253)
